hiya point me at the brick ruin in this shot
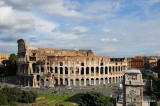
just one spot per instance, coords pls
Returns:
(39, 67)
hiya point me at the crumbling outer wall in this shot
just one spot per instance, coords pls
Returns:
(37, 66)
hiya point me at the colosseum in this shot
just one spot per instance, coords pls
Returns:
(40, 67)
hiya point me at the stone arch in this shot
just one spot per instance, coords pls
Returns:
(97, 81)
(61, 63)
(106, 70)
(47, 82)
(87, 81)
(82, 81)
(110, 80)
(97, 70)
(113, 80)
(106, 80)
(87, 70)
(82, 71)
(38, 77)
(71, 82)
(41, 82)
(121, 78)
(101, 70)
(77, 81)
(116, 80)
(77, 70)
(56, 70)
(92, 69)
(101, 64)
(116, 69)
(109, 69)
(101, 82)
(51, 69)
(113, 68)
(37, 69)
(42, 69)
(34, 67)
(119, 68)
(56, 81)
(61, 70)
(82, 63)
(61, 81)
(66, 81)
(92, 81)
(66, 70)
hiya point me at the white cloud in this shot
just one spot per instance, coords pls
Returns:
(55, 7)
(108, 40)
(102, 9)
(9, 21)
(106, 30)
(80, 29)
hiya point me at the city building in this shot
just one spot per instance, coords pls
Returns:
(129, 59)
(137, 62)
(133, 89)
(38, 67)
(4, 56)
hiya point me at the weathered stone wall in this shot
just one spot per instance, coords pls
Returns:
(49, 67)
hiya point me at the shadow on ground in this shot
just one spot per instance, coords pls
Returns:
(75, 98)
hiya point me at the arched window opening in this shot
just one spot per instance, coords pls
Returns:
(87, 70)
(82, 71)
(56, 70)
(37, 69)
(101, 64)
(61, 70)
(106, 70)
(66, 70)
(82, 64)
(51, 69)
(42, 69)
(61, 64)
(97, 70)
(34, 67)
(101, 70)
(92, 69)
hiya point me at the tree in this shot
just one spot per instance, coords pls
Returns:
(28, 96)
(153, 97)
(13, 94)
(13, 57)
(3, 99)
(9, 66)
(94, 99)
(158, 62)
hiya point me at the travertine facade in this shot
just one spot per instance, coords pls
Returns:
(49, 67)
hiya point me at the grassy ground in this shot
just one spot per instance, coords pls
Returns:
(58, 99)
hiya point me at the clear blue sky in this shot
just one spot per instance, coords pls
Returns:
(114, 28)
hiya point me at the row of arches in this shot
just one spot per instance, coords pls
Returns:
(87, 81)
(79, 70)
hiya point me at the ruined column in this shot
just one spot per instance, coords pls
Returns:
(69, 84)
(58, 69)
(85, 81)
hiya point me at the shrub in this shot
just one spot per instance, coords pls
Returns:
(94, 99)
(28, 97)
(13, 94)
(3, 99)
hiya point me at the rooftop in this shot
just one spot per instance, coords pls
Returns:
(133, 71)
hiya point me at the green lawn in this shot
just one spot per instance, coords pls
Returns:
(58, 99)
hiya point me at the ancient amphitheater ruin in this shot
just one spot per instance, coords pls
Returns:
(39, 67)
